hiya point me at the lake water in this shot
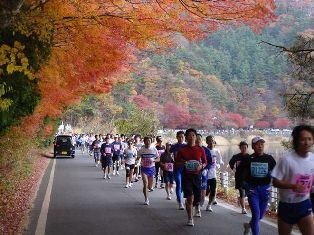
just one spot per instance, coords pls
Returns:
(276, 150)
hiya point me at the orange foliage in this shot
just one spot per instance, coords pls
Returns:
(48, 130)
(94, 40)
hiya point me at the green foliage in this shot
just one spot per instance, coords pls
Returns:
(17, 65)
(287, 144)
(43, 139)
(4, 103)
(216, 93)
(143, 122)
(86, 109)
(24, 95)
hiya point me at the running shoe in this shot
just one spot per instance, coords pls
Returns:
(105, 176)
(130, 185)
(162, 185)
(247, 229)
(168, 198)
(146, 202)
(244, 211)
(190, 223)
(108, 177)
(118, 173)
(209, 208)
(181, 206)
(155, 186)
(114, 173)
(215, 202)
(126, 186)
(202, 203)
(171, 190)
(197, 212)
(150, 189)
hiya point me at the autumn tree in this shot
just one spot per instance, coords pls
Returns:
(281, 123)
(299, 90)
(90, 41)
(143, 122)
(262, 124)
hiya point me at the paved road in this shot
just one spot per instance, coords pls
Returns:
(84, 203)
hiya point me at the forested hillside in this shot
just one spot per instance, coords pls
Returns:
(231, 79)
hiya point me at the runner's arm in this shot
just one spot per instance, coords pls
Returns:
(286, 185)
(232, 162)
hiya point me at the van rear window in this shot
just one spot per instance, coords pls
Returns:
(63, 140)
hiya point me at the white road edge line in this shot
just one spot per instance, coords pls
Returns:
(41, 223)
(232, 208)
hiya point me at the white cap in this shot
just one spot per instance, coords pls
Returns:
(256, 139)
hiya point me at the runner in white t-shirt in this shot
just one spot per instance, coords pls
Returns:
(148, 156)
(212, 172)
(293, 175)
(137, 169)
(130, 155)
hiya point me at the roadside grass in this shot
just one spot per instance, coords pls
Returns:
(20, 169)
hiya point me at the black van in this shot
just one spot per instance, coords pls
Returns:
(63, 146)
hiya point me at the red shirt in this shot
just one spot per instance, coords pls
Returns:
(188, 153)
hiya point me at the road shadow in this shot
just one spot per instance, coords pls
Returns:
(46, 155)
(64, 157)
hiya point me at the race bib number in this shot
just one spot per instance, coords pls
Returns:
(108, 150)
(129, 155)
(191, 165)
(213, 161)
(306, 181)
(116, 147)
(147, 162)
(259, 169)
(169, 167)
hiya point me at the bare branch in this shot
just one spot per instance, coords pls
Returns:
(286, 49)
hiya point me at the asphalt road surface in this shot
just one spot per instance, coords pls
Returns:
(82, 202)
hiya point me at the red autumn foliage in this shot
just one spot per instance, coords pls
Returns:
(262, 124)
(236, 118)
(175, 116)
(141, 101)
(281, 123)
(48, 130)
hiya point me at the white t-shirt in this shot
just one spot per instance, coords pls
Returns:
(130, 156)
(138, 146)
(91, 140)
(216, 162)
(295, 169)
(148, 156)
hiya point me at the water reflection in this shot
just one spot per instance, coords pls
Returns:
(276, 150)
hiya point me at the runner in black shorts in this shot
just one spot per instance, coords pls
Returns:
(130, 155)
(106, 151)
(234, 164)
(166, 163)
(194, 160)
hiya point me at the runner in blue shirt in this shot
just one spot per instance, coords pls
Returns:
(178, 169)
(106, 151)
(205, 170)
(117, 150)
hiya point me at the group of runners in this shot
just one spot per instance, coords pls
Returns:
(192, 167)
